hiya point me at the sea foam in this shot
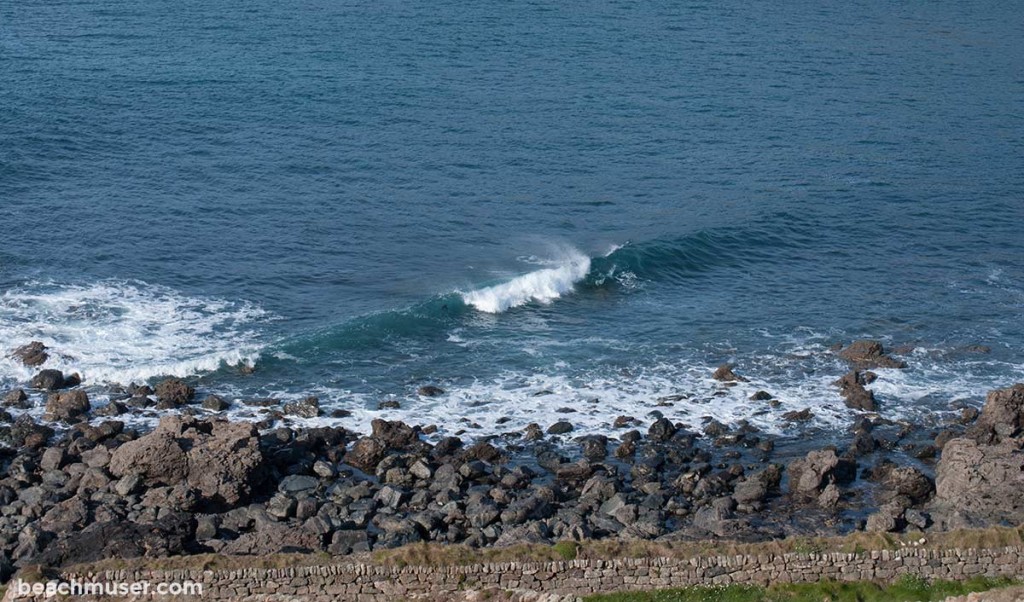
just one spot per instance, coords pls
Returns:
(121, 332)
(540, 286)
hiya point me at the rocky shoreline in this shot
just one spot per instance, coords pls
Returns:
(94, 488)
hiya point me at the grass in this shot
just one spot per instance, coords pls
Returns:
(906, 589)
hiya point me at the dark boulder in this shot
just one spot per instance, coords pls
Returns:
(661, 430)
(366, 453)
(119, 539)
(174, 392)
(33, 354)
(429, 391)
(17, 399)
(865, 354)
(851, 387)
(393, 434)
(68, 406)
(215, 403)
(560, 428)
(725, 373)
(49, 380)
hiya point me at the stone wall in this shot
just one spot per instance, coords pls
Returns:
(360, 582)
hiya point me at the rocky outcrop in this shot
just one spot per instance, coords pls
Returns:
(221, 460)
(866, 354)
(1002, 416)
(33, 354)
(724, 373)
(851, 387)
(981, 483)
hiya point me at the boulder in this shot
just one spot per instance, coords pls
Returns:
(725, 373)
(910, 482)
(809, 475)
(560, 428)
(393, 434)
(48, 380)
(366, 453)
(866, 354)
(17, 399)
(68, 406)
(429, 391)
(1001, 417)
(661, 430)
(174, 392)
(33, 354)
(307, 408)
(851, 387)
(221, 460)
(983, 482)
(215, 403)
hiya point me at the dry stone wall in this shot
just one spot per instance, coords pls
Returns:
(567, 580)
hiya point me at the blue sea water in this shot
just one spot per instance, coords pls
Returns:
(538, 206)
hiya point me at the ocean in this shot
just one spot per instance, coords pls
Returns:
(552, 210)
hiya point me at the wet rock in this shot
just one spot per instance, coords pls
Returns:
(762, 396)
(174, 392)
(866, 354)
(48, 380)
(661, 430)
(215, 403)
(221, 460)
(984, 482)
(625, 422)
(724, 373)
(851, 387)
(111, 409)
(17, 399)
(429, 391)
(533, 432)
(307, 408)
(33, 354)
(798, 416)
(25, 432)
(560, 428)
(389, 404)
(68, 406)
(715, 428)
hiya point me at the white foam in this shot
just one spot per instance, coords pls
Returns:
(541, 286)
(121, 332)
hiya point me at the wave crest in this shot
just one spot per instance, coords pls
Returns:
(541, 286)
